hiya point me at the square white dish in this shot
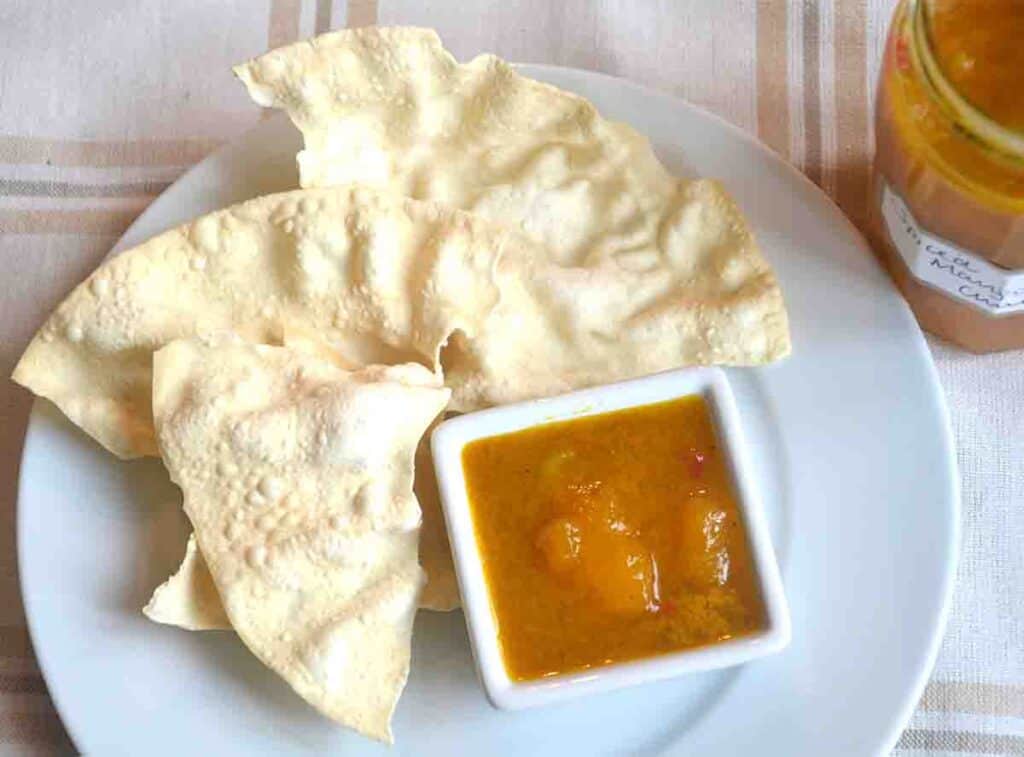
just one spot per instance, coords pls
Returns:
(447, 444)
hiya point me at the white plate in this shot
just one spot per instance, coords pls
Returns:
(853, 450)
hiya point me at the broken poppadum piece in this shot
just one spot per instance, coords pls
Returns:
(189, 598)
(297, 477)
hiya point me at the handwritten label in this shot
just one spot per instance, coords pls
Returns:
(962, 275)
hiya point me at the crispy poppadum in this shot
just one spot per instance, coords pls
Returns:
(637, 271)
(380, 278)
(297, 477)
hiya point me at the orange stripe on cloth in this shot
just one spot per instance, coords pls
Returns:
(772, 75)
(361, 13)
(107, 222)
(14, 642)
(69, 152)
(811, 47)
(961, 741)
(978, 698)
(31, 728)
(322, 20)
(853, 163)
(22, 683)
(72, 189)
(283, 26)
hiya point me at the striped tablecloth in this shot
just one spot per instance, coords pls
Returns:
(103, 103)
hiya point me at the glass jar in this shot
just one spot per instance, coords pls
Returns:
(948, 180)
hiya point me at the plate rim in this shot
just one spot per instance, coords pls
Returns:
(912, 695)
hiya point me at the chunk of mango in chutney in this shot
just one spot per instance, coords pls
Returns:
(615, 569)
(702, 553)
(559, 545)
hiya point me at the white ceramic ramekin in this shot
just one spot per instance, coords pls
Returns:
(452, 436)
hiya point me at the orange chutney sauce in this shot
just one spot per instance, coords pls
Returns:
(609, 538)
(978, 45)
(978, 49)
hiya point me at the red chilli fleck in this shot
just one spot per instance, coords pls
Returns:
(902, 54)
(697, 464)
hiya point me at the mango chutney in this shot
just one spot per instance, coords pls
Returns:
(609, 538)
(948, 186)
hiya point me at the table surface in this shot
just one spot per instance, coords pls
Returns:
(103, 104)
